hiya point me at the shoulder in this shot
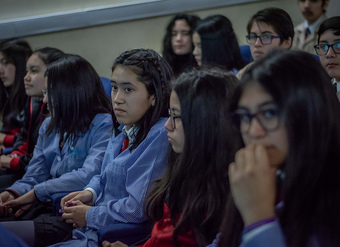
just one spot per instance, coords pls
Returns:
(243, 70)
(159, 126)
(102, 118)
(300, 27)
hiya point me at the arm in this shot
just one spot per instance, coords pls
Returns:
(123, 200)
(75, 173)
(37, 170)
(269, 234)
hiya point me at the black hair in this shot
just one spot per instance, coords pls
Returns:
(332, 23)
(16, 51)
(195, 184)
(153, 71)
(219, 43)
(178, 63)
(278, 19)
(311, 116)
(49, 54)
(75, 96)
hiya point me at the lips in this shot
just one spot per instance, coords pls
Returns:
(118, 111)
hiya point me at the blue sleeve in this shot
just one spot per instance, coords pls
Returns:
(148, 166)
(215, 242)
(37, 171)
(95, 181)
(270, 234)
(77, 179)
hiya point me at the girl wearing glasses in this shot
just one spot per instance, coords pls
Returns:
(283, 180)
(188, 201)
(267, 29)
(35, 113)
(328, 49)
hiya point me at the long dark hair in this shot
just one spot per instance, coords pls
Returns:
(75, 94)
(178, 62)
(153, 71)
(311, 114)
(49, 54)
(196, 181)
(219, 43)
(16, 51)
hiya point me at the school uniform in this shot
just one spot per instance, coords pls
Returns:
(125, 180)
(52, 170)
(301, 42)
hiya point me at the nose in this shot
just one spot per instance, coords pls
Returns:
(26, 78)
(45, 99)
(168, 125)
(255, 129)
(330, 52)
(117, 96)
(178, 36)
(195, 51)
(258, 42)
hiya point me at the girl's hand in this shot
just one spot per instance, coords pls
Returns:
(85, 196)
(253, 184)
(115, 244)
(5, 161)
(76, 214)
(25, 201)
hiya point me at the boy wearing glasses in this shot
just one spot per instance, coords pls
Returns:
(269, 28)
(328, 49)
(313, 12)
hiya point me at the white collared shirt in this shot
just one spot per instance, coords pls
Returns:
(313, 27)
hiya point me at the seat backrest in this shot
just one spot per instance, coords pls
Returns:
(107, 85)
(246, 54)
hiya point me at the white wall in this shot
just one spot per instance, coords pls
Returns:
(100, 45)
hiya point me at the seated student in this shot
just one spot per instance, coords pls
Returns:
(71, 143)
(134, 159)
(267, 29)
(35, 112)
(328, 49)
(215, 44)
(14, 54)
(177, 43)
(283, 180)
(188, 201)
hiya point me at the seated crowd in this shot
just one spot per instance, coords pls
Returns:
(195, 146)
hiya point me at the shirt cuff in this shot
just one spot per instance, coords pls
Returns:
(8, 140)
(258, 224)
(14, 164)
(94, 198)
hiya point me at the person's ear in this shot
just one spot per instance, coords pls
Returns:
(153, 100)
(325, 5)
(287, 43)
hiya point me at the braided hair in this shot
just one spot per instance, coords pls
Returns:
(155, 73)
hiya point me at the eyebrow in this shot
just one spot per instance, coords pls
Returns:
(263, 104)
(175, 110)
(326, 41)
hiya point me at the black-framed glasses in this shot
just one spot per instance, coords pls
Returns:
(173, 119)
(266, 39)
(269, 119)
(322, 49)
